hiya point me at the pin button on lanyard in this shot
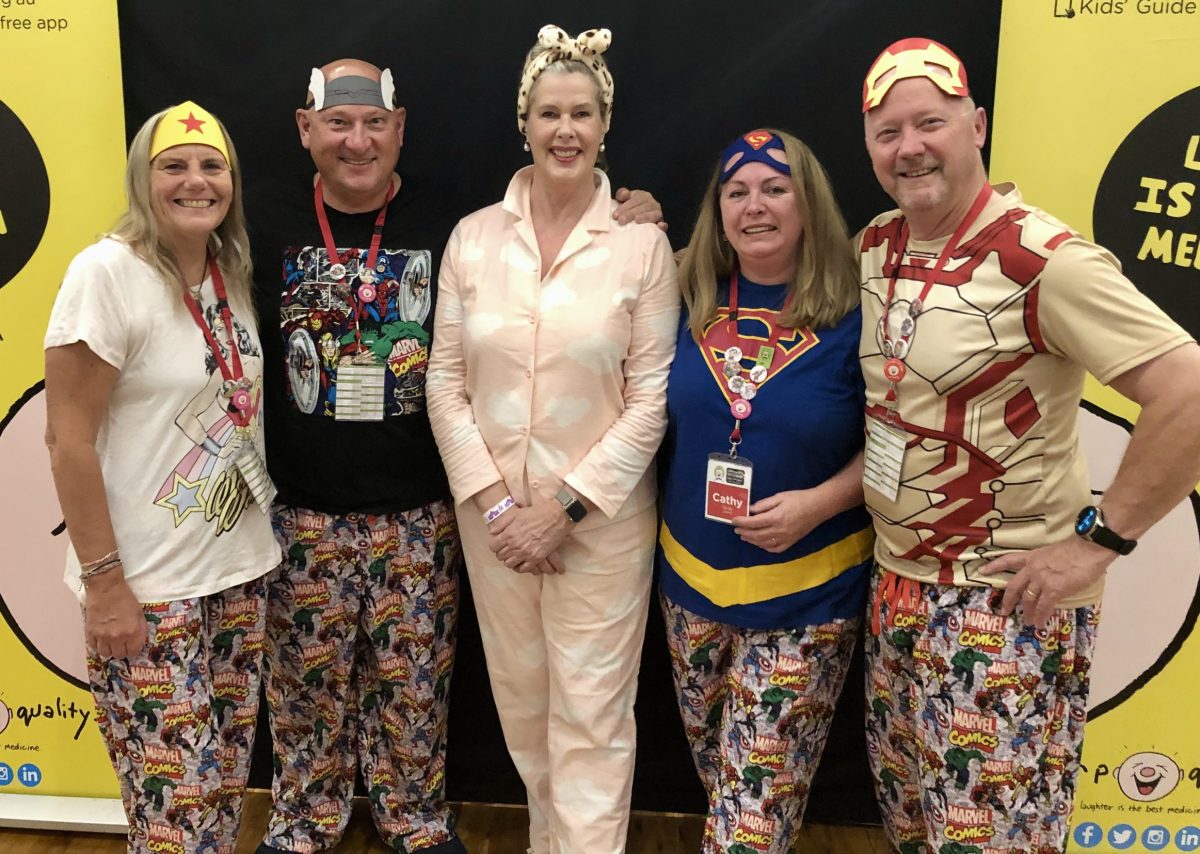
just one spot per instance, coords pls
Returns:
(895, 351)
(740, 382)
(366, 273)
(235, 387)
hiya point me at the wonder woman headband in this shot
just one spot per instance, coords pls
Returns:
(352, 90)
(914, 58)
(186, 124)
(753, 147)
(587, 48)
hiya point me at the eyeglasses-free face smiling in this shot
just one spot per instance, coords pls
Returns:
(924, 147)
(355, 148)
(565, 128)
(191, 188)
(762, 223)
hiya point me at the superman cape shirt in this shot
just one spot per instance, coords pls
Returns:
(806, 425)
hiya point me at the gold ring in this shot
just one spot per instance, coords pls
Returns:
(1031, 594)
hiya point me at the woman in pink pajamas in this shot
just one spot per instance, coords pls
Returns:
(553, 337)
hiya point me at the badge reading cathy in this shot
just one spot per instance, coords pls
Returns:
(727, 488)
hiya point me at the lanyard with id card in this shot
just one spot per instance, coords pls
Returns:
(727, 487)
(883, 461)
(361, 388)
(235, 389)
(728, 476)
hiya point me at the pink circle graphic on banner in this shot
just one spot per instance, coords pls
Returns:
(1141, 622)
(39, 607)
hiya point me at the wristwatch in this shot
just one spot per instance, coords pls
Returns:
(571, 505)
(1090, 525)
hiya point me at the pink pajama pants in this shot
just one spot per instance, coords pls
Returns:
(563, 653)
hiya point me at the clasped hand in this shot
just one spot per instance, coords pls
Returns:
(526, 539)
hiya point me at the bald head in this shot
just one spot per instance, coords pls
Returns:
(343, 67)
(350, 82)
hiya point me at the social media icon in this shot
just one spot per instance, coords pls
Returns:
(6, 774)
(1089, 834)
(1188, 838)
(1155, 837)
(1121, 836)
(29, 775)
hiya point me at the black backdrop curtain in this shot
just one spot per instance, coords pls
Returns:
(689, 77)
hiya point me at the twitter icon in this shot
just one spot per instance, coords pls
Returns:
(1121, 836)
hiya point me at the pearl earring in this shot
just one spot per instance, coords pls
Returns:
(527, 145)
(602, 146)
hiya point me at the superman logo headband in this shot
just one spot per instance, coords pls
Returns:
(753, 148)
(914, 58)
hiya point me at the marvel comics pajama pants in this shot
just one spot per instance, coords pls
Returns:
(756, 706)
(974, 721)
(178, 719)
(361, 621)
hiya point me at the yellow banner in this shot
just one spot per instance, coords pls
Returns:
(1097, 118)
(62, 135)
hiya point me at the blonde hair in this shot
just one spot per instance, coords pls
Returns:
(138, 228)
(824, 287)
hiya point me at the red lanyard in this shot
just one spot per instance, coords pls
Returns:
(896, 350)
(331, 247)
(747, 388)
(337, 268)
(239, 397)
(731, 323)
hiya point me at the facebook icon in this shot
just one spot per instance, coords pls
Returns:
(1188, 838)
(1088, 834)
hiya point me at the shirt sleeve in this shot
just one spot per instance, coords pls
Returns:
(90, 307)
(469, 464)
(609, 472)
(1089, 312)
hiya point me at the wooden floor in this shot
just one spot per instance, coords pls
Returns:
(485, 828)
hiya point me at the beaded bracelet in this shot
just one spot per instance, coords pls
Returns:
(499, 510)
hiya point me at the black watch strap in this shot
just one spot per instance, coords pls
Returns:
(1090, 525)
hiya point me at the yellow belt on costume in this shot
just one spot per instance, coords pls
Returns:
(746, 585)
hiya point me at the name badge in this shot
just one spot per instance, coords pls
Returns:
(254, 471)
(727, 488)
(884, 458)
(360, 390)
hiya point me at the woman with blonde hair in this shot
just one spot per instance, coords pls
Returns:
(152, 392)
(764, 546)
(553, 337)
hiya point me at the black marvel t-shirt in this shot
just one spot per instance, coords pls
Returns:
(345, 353)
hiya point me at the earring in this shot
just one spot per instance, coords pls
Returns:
(602, 147)
(526, 145)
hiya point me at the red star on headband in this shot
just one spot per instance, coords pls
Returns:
(191, 123)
